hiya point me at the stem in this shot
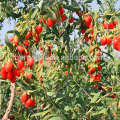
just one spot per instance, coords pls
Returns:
(97, 102)
(8, 110)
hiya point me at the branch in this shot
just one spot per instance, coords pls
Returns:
(109, 15)
(97, 102)
(8, 110)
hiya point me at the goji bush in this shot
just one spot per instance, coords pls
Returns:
(60, 62)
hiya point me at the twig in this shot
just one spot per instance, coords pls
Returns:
(97, 102)
(83, 89)
(8, 110)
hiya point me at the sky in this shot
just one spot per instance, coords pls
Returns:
(11, 26)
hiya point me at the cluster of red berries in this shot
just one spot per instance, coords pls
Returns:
(116, 42)
(7, 71)
(95, 68)
(111, 25)
(104, 40)
(27, 100)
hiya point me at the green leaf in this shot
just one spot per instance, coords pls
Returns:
(117, 87)
(51, 94)
(53, 13)
(81, 99)
(104, 110)
(55, 30)
(30, 13)
(94, 99)
(14, 31)
(57, 99)
(100, 3)
(17, 7)
(108, 55)
(88, 1)
(48, 36)
(25, 30)
(41, 113)
(49, 116)
(8, 43)
(41, 4)
(22, 117)
(76, 8)
(67, 108)
(68, 7)
(56, 118)
(34, 13)
(55, 42)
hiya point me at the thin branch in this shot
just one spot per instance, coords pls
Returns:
(8, 110)
(109, 15)
(82, 89)
(97, 102)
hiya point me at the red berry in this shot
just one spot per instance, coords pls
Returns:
(16, 72)
(3, 74)
(95, 85)
(49, 54)
(9, 75)
(3, 68)
(104, 40)
(83, 31)
(29, 76)
(23, 98)
(20, 64)
(50, 47)
(11, 39)
(28, 34)
(93, 69)
(109, 41)
(99, 68)
(77, 13)
(38, 29)
(20, 48)
(26, 43)
(100, 88)
(92, 77)
(16, 41)
(88, 19)
(44, 105)
(111, 25)
(67, 66)
(106, 25)
(61, 10)
(37, 39)
(90, 49)
(30, 61)
(113, 96)
(49, 22)
(63, 18)
(115, 22)
(8, 66)
(13, 79)
(43, 20)
(54, 22)
(86, 38)
(98, 60)
(22, 70)
(41, 78)
(26, 53)
(71, 20)
(98, 53)
(90, 72)
(33, 103)
(110, 89)
(28, 103)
